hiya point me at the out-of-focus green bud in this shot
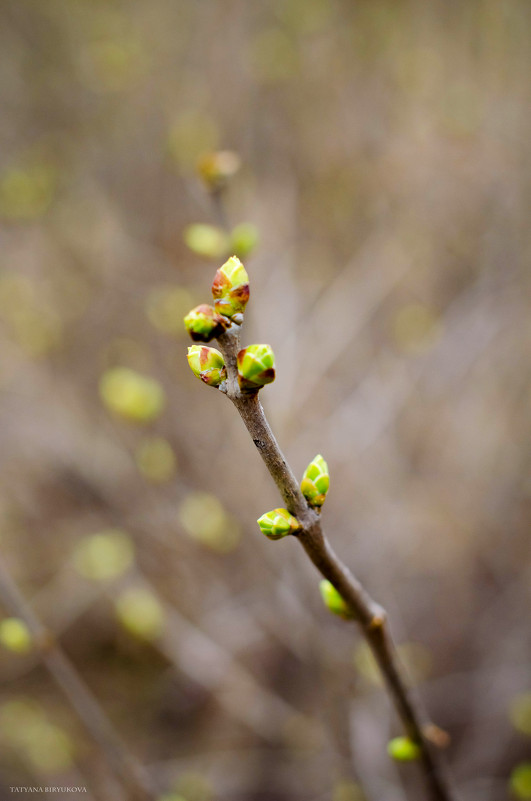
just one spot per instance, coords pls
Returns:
(366, 664)
(24, 725)
(140, 612)
(207, 240)
(347, 790)
(207, 364)
(244, 239)
(15, 635)
(156, 460)
(216, 168)
(166, 307)
(278, 523)
(131, 395)
(230, 288)
(104, 556)
(334, 601)
(171, 797)
(205, 520)
(203, 323)
(315, 481)
(520, 781)
(402, 749)
(194, 787)
(26, 193)
(520, 712)
(256, 366)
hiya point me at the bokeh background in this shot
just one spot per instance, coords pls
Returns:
(385, 151)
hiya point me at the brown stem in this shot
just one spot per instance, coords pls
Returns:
(370, 616)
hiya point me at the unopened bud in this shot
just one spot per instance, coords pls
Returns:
(207, 364)
(333, 601)
(216, 168)
(230, 288)
(15, 635)
(315, 481)
(403, 749)
(278, 523)
(203, 323)
(256, 366)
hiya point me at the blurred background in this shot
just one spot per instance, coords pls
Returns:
(382, 209)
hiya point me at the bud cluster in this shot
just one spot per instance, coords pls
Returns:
(256, 363)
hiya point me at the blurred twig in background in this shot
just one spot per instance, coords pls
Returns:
(132, 775)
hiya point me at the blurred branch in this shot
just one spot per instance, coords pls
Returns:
(370, 616)
(132, 775)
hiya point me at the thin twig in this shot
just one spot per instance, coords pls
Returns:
(370, 616)
(130, 772)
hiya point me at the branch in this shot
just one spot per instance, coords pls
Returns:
(132, 775)
(370, 616)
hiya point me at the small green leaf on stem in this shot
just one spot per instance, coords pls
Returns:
(278, 523)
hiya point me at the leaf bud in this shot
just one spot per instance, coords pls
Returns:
(244, 238)
(256, 366)
(203, 323)
(131, 395)
(207, 364)
(208, 241)
(230, 288)
(278, 523)
(15, 635)
(403, 749)
(217, 167)
(333, 601)
(315, 482)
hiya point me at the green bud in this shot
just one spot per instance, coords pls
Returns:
(278, 523)
(256, 366)
(15, 635)
(207, 364)
(140, 612)
(208, 241)
(230, 288)
(333, 601)
(244, 238)
(131, 395)
(520, 781)
(315, 481)
(203, 323)
(218, 167)
(402, 749)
